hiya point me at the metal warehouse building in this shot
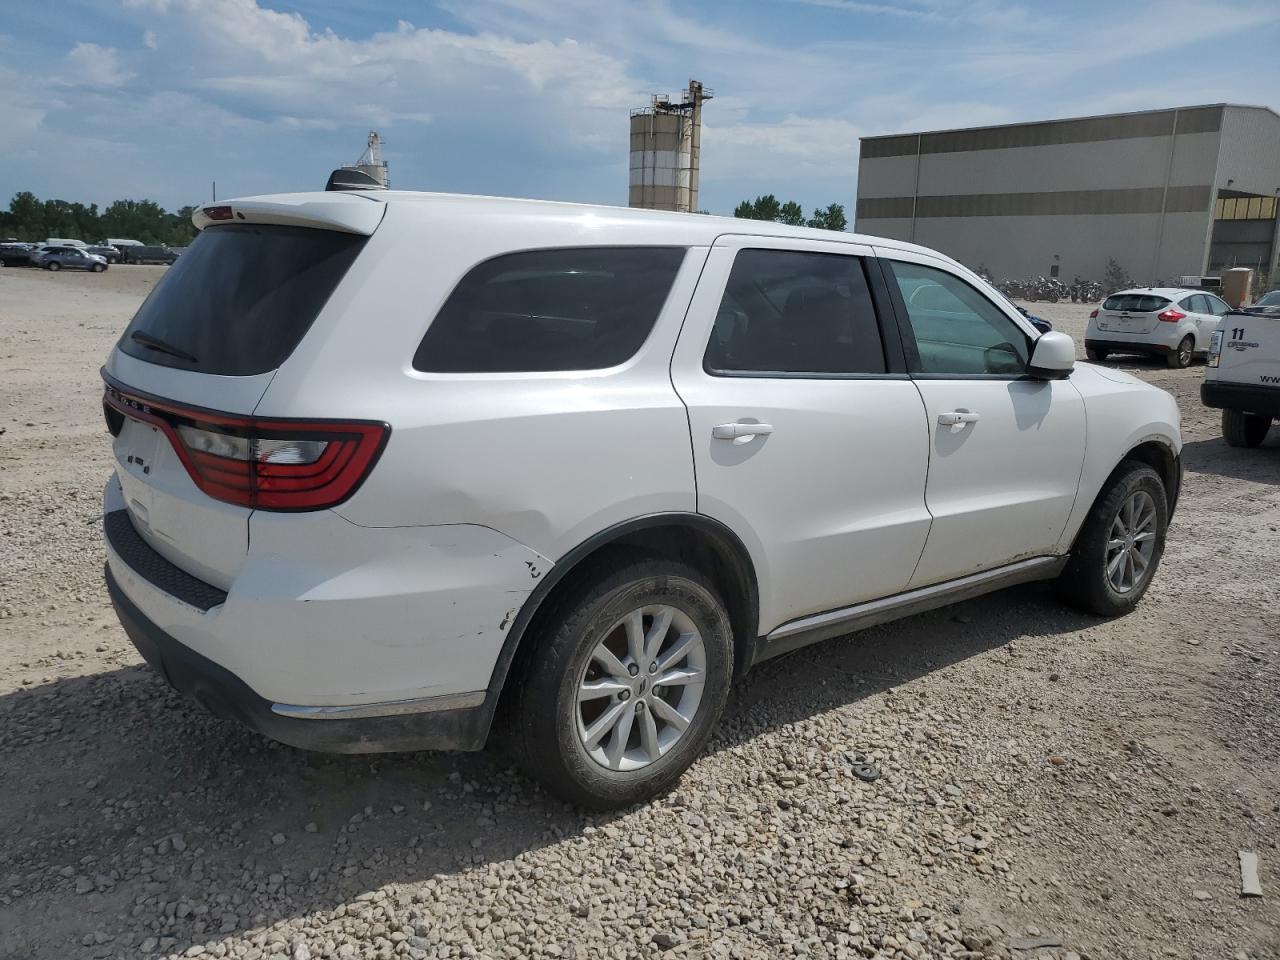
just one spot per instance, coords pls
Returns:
(1167, 193)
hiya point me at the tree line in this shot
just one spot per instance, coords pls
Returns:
(791, 213)
(32, 219)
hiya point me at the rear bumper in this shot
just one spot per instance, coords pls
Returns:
(1129, 346)
(443, 726)
(1241, 396)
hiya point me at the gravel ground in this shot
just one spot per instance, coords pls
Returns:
(1052, 785)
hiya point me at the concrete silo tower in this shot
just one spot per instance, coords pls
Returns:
(665, 145)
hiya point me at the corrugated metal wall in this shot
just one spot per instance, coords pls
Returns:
(1072, 193)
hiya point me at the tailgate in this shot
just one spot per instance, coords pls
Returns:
(207, 342)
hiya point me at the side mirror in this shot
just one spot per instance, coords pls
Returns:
(1053, 357)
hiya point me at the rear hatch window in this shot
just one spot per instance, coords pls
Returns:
(241, 298)
(1135, 303)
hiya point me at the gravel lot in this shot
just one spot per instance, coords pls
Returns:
(1053, 785)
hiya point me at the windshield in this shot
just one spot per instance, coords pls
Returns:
(1271, 299)
(239, 300)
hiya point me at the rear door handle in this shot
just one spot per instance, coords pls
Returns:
(733, 431)
(956, 419)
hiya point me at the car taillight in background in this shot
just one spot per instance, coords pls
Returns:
(1093, 314)
(265, 464)
(1170, 316)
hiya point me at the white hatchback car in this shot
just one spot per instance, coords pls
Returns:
(1165, 322)
(579, 467)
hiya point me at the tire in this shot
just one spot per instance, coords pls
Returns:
(1242, 429)
(1087, 582)
(99, 267)
(1180, 358)
(550, 728)
(1095, 354)
(53, 266)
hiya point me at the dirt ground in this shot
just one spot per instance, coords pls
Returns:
(1053, 785)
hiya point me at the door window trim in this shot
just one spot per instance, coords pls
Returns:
(896, 364)
(907, 333)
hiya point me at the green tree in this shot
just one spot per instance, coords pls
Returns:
(32, 219)
(830, 218)
(1115, 277)
(791, 214)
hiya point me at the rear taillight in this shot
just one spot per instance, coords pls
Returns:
(260, 463)
(1093, 314)
(1170, 316)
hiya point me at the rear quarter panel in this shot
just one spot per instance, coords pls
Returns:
(547, 459)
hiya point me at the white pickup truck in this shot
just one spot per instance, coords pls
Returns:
(1242, 375)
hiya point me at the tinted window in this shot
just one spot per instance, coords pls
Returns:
(1135, 302)
(957, 329)
(577, 308)
(241, 297)
(792, 312)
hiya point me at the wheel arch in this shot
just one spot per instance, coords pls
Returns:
(1158, 453)
(703, 542)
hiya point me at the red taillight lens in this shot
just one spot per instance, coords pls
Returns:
(258, 463)
(218, 213)
(1093, 314)
(1170, 316)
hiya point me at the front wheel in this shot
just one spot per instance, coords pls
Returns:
(53, 266)
(1181, 357)
(1242, 429)
(99, 267)
(1120, 545)
(627, 680)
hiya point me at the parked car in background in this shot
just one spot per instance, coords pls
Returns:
(63, 242)
(628, 456)
(1168, 322)
(108, 253)
(15, 254)
(71, 258)
(147, 253)
(1242, 374)
(120, 243)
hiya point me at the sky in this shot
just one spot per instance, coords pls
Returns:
(108, 99)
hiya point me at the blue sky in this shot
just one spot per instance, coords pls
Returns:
(157, 98)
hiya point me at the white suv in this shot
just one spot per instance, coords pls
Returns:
(391, 465)
(1162, 321)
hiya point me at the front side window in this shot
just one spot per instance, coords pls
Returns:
(792, 313)
(957, 330)
(572, 308)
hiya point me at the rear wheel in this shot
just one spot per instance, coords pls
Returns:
(1242, 429)
(1120, 545)
(1181, 357)
(626, 683)
(1093, 353)
(53, 265)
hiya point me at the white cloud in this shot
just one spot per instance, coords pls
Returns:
(150, 40)
(792, 148)
(91, 65)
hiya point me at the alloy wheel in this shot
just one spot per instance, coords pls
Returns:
(1131, 542)
(640, 689)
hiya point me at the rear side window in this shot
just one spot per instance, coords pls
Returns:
(1135, 302)
(239, 300)
(575, 308)
(788, 312)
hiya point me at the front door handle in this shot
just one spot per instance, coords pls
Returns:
(735, 431)
(956, 419)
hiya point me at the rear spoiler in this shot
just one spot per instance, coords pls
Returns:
(347, 212)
